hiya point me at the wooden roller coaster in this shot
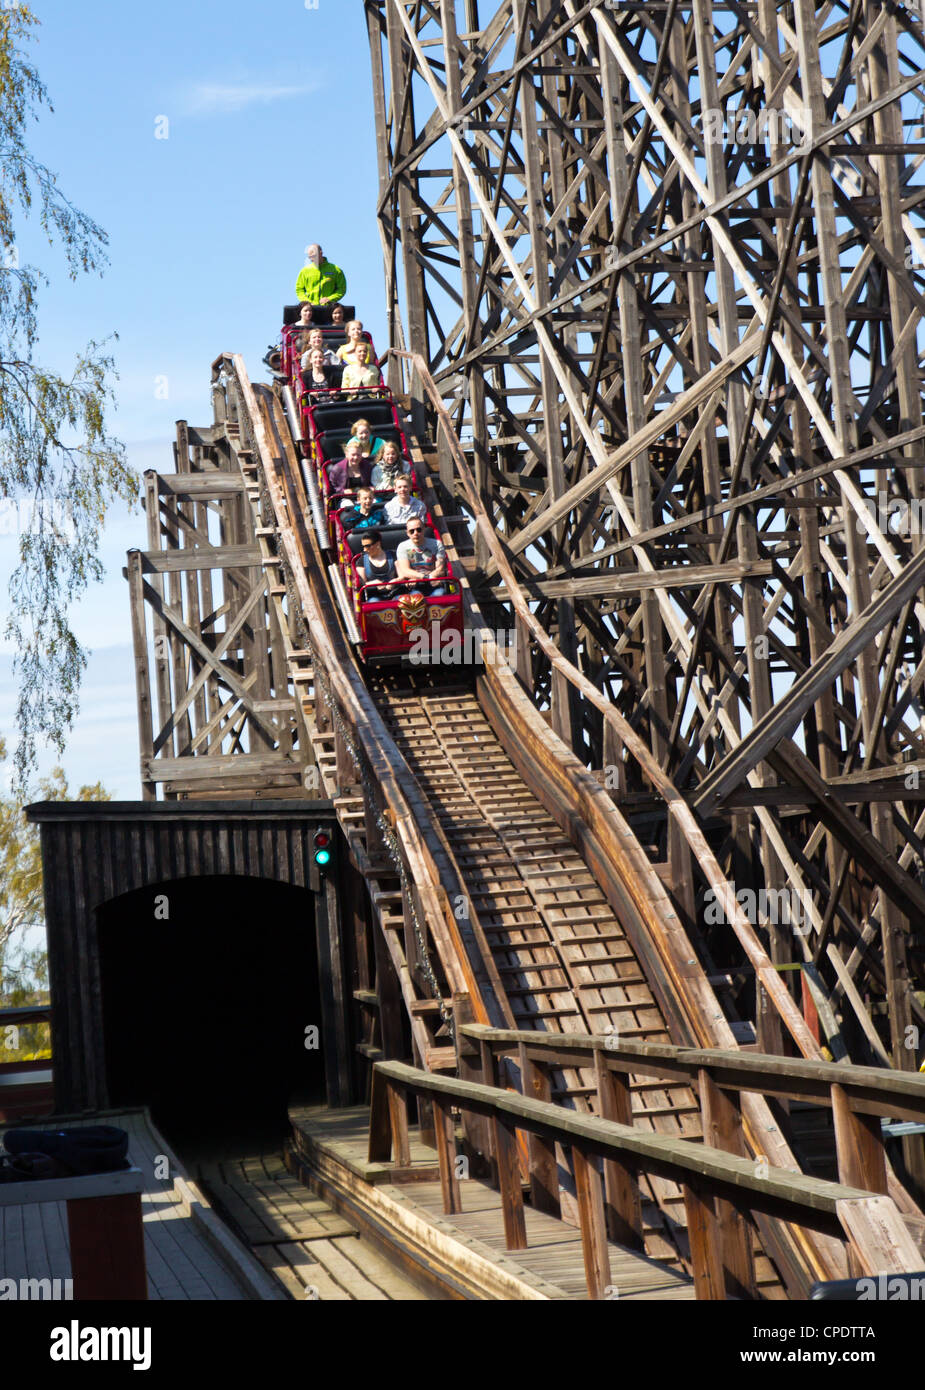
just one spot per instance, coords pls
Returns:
(653, 441)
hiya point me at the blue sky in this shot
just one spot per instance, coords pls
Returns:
(207, 230)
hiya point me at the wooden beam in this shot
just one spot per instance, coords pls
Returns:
(512, 1200)
(593, 1225)
(626, 581)
(621, 1180)
(785, 715)
(542, 1163)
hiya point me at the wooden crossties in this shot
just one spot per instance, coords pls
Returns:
(666, 268)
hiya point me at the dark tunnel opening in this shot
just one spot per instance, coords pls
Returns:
(208, 987)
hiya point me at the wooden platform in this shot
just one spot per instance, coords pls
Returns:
(464, 1253)
(190, 1253)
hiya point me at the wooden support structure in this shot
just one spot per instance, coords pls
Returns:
(665, 270)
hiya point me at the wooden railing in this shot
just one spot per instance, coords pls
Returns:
(20, 1014)
(719, 1187)
(858, 1096)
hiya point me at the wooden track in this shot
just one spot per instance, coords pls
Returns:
(496, 869)
(296, 1236)
(561, 956)
(558, 946)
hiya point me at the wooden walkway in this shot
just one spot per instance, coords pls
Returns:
(298, 1237)
(332, 1146)
(190, 1253)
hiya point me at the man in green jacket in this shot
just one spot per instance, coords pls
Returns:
(319, 281)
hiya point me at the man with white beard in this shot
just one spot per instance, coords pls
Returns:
(320, 282)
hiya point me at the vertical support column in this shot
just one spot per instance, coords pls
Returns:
(566, 707)
(512, 1197)
(398, 1119)
(593, 1223)
(706, 1244)
(621, 1181)
(476, 1129)
(445, 1133)
(467, 266)
(544, 1170)
(334, 1015)
(859, 1145)
(142, 681)
(722, 1129)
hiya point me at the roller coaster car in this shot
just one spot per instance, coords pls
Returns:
(409, 627)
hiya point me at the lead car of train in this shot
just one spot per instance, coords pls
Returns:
(412, 624)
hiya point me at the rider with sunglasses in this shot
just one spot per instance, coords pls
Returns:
(421, 558)
(377, 567)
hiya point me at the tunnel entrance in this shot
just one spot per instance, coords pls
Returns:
(208, 986)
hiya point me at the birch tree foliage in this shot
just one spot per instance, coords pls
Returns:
(60, 468)
(21, 894)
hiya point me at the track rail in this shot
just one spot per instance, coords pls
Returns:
(499, 870)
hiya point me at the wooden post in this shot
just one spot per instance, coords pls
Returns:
(445, 1133)
(623, 1205)
(706, 1245)
(810, 1012)
(722, 1129)
(380, 1126)
(476, 1129)
(593, 1224)
(425, 1109)
(489, 1077)
(512, 1197)
(346, 775)
(107, 1247)
(398, 1118)
(543, 1167)
(859, 1145)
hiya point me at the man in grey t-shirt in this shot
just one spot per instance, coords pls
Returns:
(402, 507)
(420, 558)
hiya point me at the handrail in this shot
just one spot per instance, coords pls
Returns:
(25, 1013)
(720, 1250)
(871, 1090)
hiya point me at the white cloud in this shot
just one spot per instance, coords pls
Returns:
(211, 98)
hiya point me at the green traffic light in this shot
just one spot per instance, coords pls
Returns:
(322, 856)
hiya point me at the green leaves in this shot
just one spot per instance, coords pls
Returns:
(55, 448)
(23, 973)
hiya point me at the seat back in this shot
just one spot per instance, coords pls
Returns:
(392, 536)
(321, 314)
(336, 439)
(341, 413)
